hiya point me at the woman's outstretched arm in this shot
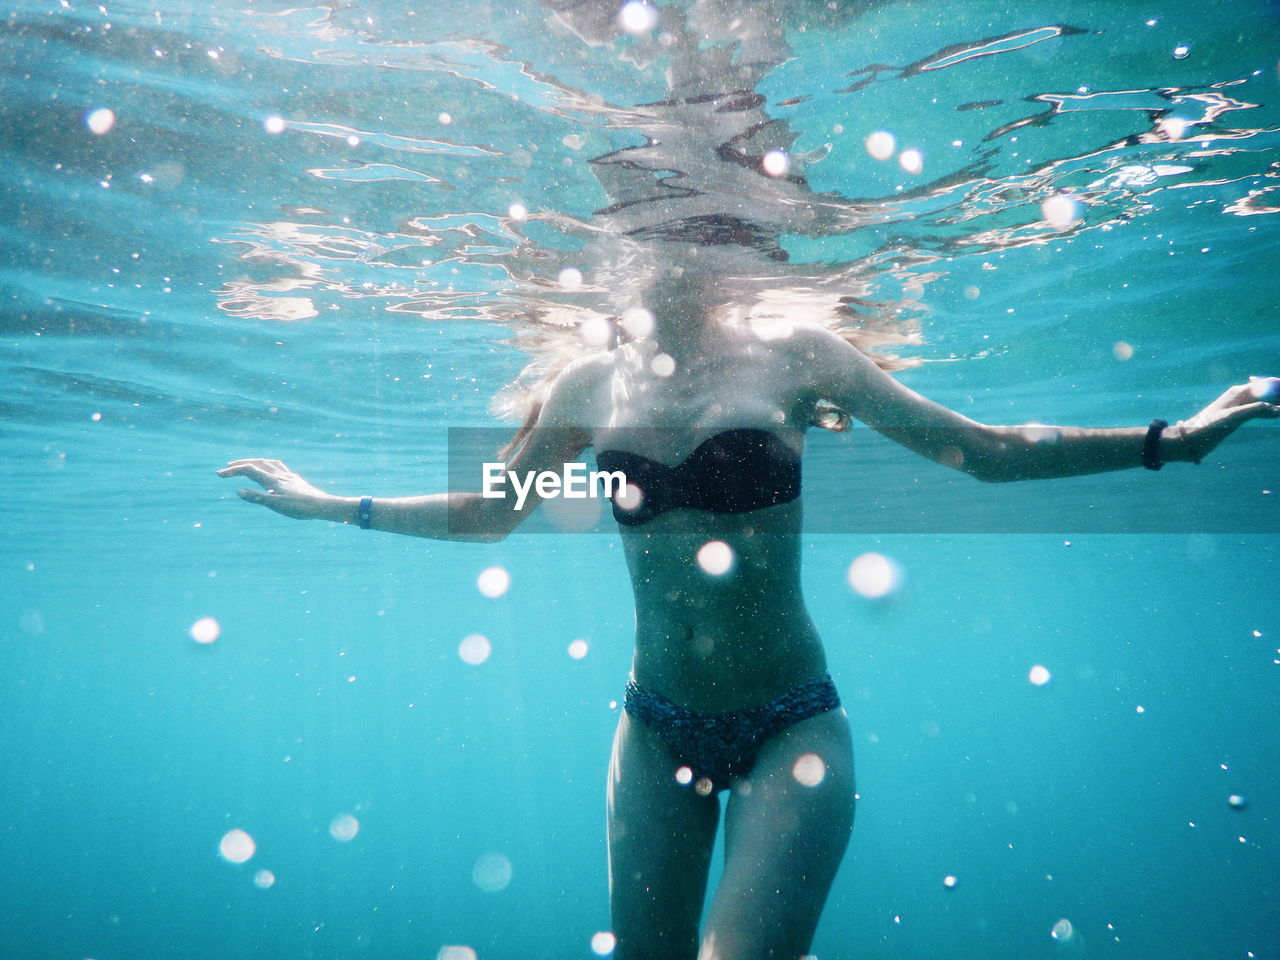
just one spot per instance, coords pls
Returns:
(845, 376)
(558, 438)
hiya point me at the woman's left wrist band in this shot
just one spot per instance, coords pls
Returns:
(364, 513)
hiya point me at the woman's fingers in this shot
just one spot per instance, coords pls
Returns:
(265, 472)
(252, 495)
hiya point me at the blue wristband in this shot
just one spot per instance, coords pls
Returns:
(364, 514)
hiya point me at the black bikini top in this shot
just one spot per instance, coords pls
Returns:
(731, 472)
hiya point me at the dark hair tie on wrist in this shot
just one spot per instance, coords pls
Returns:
(364, 514)
(1151, 445)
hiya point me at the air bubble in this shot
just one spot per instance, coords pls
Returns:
(100, 121)
(237, 846)
(638, 322)
(1060, 210)
(492, 873)
(637, 17)
(344, 828)
(809, 770)
(493, 582)
(716, 558)
(205, 630)
(775, 163)
(474, 649)
(663, 365)
(881, 145)
(874, 575)
(1182, 51)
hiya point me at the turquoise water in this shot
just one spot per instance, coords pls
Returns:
(188, 286)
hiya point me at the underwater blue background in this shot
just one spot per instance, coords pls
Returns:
(169, 303)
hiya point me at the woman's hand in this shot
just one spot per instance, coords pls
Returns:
(1260, 397)
(283, 490)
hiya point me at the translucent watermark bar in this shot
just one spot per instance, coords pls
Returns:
(861, 483)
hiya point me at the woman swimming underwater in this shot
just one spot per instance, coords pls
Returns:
(729, 688)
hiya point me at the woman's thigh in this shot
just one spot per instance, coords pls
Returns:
(661, 834)
(787, 825)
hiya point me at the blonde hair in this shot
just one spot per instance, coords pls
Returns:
(552, 336)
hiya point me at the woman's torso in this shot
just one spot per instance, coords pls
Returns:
(720, 619)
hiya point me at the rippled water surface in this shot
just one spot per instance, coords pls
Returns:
(330, 234)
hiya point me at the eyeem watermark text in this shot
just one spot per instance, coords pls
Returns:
(573, 482)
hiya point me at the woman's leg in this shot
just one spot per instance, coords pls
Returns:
(661, 834)
(786, 828)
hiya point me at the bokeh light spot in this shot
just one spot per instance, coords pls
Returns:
(100, 121)
(809, 770)
(596, 332)
(493, 582)
(578, 649)
(1039, 675)
(237, 846)
(474, 649)
(775, 163)
(1060, 210)
(205, 630)
(912, 161)
(881, 145)
(344, 828)
(663, 365)
(716, 558)
(264, 879)
(602, 943)
(492, 873)
(874, 575)
(638, 17)
(638, 322)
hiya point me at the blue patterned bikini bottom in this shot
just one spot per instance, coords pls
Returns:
(720, 746)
